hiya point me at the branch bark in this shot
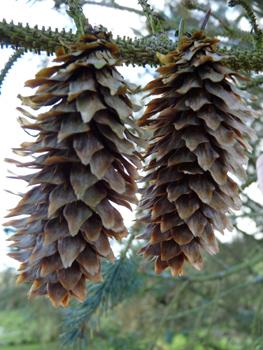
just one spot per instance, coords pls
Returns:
(133, 51)
(111, 5)
(219, 275)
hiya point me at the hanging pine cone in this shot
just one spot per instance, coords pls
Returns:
(84, 163)
(196, 142)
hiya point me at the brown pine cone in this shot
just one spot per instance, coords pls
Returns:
(85, 161)
(196, 143)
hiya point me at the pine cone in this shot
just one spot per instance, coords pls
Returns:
(84, 163)
(197, 138)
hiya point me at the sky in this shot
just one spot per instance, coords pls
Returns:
(11, 134)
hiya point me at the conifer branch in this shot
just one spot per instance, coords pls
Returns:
(227, 31)
(124, 252)
(192, 5)
(218, 275)
(250, 13)
(258, 34)
(178, 292)
(245, 215)
(249, 181)
(121, 281)
(133, 51)
(12, 59)
(251, 204)
(113, 5)
(230, 271)
(214, 309)
(32, 39)
(154, 20)
(254, 82)
(257, 279)
(232, 34)
(255, 322)
(76, 13)
(244, 233)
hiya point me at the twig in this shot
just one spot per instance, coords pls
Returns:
(214, 276)
(12, 59)
(250, 180)
(127, 247)
(154, 20)
(75, 12)
(230, 271)
(257, 279)
(244, 233)
(196, 328)
(112, 5)
(137, 51)
(119, 282)
(250, 204)
(216, 299)
(254, 82)
(257, 37)
(254, 324)
(177, 294)
(250, 13)
(239, 34)
(246, 215)
(192, 5)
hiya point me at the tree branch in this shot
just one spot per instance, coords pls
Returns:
(245, 234)
(191, 5)
(111, 5)
(254, 82)
(76, 13)
(255, 322)
(250, 179)
(218, 275)
(177, 294)
(12, 59)
(250, 13)
(136, 52)
(258, 36)
(154, 19)
(256, 280)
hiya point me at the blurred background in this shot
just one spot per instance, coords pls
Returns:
(219, 308)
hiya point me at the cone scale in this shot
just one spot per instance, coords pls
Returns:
(84, 160)
(196, 145)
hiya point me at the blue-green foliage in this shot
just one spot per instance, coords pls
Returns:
(121, 280)
(12, 59)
